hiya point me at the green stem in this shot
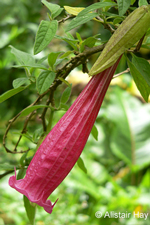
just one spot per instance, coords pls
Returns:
(49, 126)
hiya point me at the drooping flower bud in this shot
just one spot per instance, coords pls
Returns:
(128, 33)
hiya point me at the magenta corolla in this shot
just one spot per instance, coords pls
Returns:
(62, 147)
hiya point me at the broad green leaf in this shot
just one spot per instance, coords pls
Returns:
(52, 58)
(77, 21)
(95, 6)
(37, 134)
(79, 37)
(71, 41)
(66, 54)
(140, 82)
(90, 42)
(66, 94)
(45, 33)
(129, 139)
(142, 66)
(86, 14)
(11, 93)
(30, 210)
(58, 61)
(21, 173)
(94, 132)
(57, 13)
(117, 20)
(132, 2)
(54, 8)
(20, 81)
(30, 109)
(44, 80)
(64, 106)
(81, 165)
(142, 2)
(23, 57)
(22, 159)
(123, 5)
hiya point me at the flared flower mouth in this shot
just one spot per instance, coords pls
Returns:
(62, 147)
(47, 205)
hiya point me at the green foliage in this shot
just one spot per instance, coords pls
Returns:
(85, 15)
(81, 165)
(29, 209)
(10, 93)
(30, 109)
(141, 83)
(44, 80)
(94, 132)
(143, 66)
(123, 6)
(45, 33)
(143, 2)
(54, 9)
(66, 94)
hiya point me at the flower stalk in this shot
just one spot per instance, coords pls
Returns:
(62, 147)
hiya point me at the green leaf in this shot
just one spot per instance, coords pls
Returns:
(132, 2)
(142, 66)
(20, 81)
(6, 166)
(23, 57)
(21, 173)
(52, 58)
(63, 106)
(44, 80)
(30, 210)
(57, 13)
(95, 6)
(30, 109)
(123, 5)
(81, 165)
(142, 2)
(45, 33)
(66, 94)
(140, 82)
(129, 139)
(77, 21)
(85, 15)
(11, 93)
(94, 132)
(79, 37)
(71, 41)
(66, 54)
(54, 8)
(90, 42)
(22, 159)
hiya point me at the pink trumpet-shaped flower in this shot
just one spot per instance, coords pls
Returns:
(63, 145)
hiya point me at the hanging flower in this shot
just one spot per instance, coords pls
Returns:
(63, 145)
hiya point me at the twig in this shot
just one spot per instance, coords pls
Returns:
(118, 74)
(66, 18)
(139, 44)
(6, 173)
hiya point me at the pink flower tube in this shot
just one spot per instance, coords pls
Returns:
(63, 145)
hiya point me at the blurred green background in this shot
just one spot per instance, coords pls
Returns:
(118, 164)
